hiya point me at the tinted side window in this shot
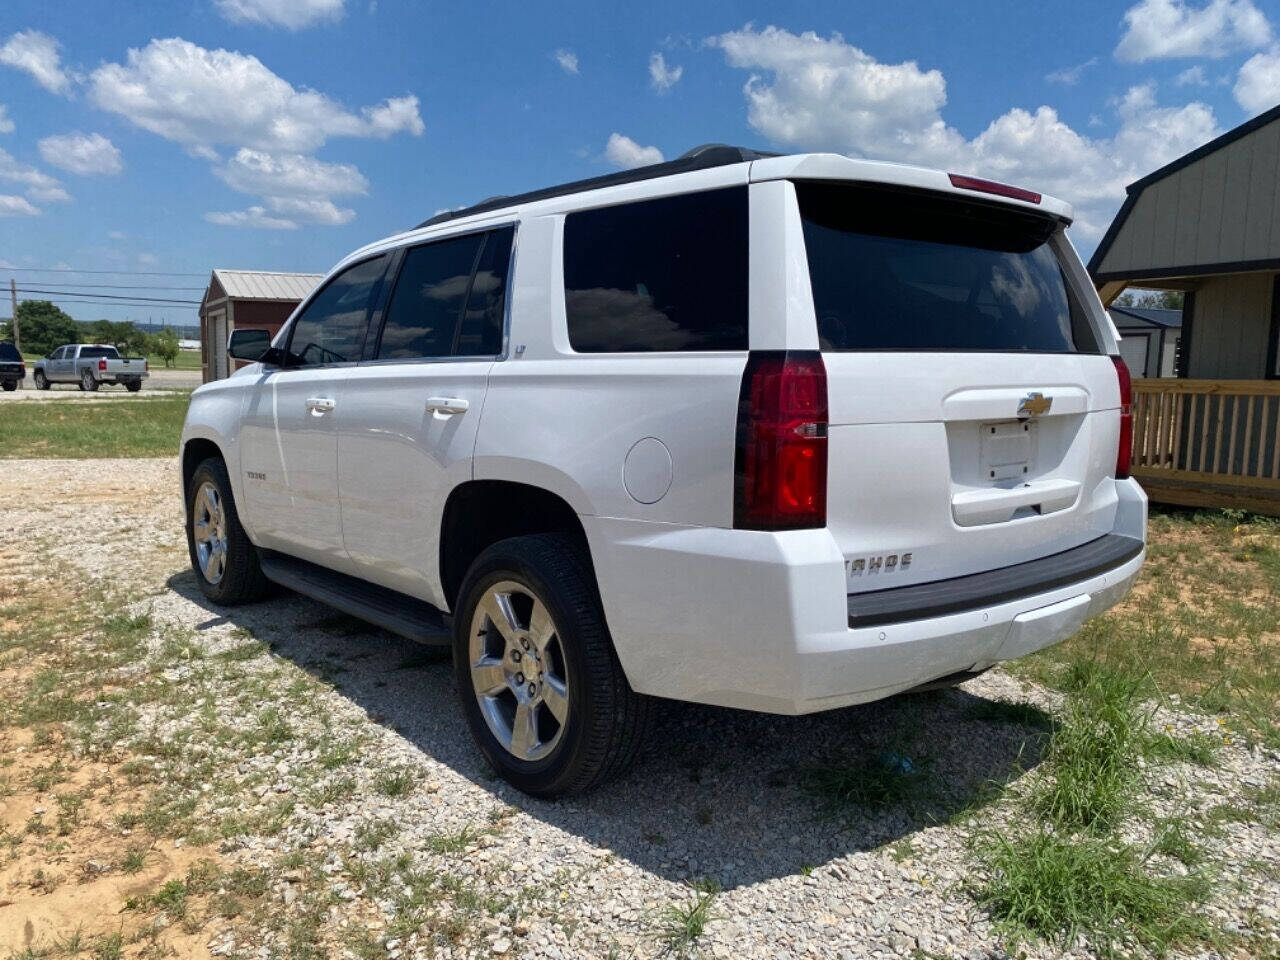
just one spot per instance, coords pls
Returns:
(665, 274)
(94, 352)
(481, 332)
(332, 327)
(422, 318)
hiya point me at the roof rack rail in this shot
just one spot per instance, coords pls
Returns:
(699, 158)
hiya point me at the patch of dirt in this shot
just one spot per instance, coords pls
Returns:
(65, 874)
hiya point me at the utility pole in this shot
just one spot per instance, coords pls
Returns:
(13, 300)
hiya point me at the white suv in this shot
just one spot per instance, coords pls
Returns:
(782, 433)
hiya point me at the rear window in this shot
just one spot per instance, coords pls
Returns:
(9, 353)
(94, 352)
(667, 274)
(906, 270)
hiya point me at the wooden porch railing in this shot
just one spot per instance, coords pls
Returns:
(1208, 442)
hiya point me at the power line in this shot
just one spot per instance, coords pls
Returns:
(119, 286)
(126, 273)
(109, 303)
(109, 296)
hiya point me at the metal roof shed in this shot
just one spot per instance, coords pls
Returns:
(254, 299)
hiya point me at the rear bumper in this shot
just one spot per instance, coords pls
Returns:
(761, 621)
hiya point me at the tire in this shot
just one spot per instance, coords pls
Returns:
(133, 386)
(40, 380)
(604, 719)
(10, 386)
(88, 382)
(238, 578)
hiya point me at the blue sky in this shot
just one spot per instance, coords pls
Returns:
(279, 134)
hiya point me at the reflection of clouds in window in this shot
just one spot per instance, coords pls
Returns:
(451, 288)
(1013, 282)
(623, 319)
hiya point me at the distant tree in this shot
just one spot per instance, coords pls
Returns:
(1166, 299)
(123, 335)
(44, 327)
(165, 346)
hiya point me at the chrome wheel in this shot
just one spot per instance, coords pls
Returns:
(518, 671)
(209, 530)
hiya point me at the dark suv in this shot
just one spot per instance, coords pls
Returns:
(12, 369)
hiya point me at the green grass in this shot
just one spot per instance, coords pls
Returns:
(874, 782)
(1059, 888)
(1202, 622)
(140, 426)
(679, 925)
(1093, 753)
(185, 360)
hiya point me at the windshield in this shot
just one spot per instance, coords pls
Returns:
(894, 269)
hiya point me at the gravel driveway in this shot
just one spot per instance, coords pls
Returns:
(716, 799)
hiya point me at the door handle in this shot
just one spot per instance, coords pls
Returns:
(447, 405)
(319, 406)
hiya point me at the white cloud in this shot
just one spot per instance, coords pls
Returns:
(1258, 83)
(116, 235)
(200, 97)
(49, 194)
(147, 259)
(311, 210)
(81, 153)
(1070, 76)
(38, 184)
(815, 93)
(293, 14)
(14, 206)
(253, 217)
(6, 124)
(1191, 77)
(1160, 29)
(568, 61)
(662, 77)
(253, 171)
(626, 153)
(36, 53)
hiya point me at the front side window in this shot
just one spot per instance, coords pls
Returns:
(909, 270)
(58, 354)
(667, 274)
(448, 300)
(331, 328)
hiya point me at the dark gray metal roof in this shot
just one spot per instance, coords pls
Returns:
(1145, 316)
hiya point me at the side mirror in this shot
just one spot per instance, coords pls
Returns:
(252, 345)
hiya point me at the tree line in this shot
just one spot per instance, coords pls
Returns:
(45, 327)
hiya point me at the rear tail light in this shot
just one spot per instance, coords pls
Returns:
(781, 470)
(991, 186)
(1124, 451)
(102, 363)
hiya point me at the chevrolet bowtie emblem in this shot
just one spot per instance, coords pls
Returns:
(1034, 405)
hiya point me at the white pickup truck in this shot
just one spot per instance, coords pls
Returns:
(90, 365)
(774, 433)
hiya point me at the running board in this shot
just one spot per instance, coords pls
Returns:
(394, 611)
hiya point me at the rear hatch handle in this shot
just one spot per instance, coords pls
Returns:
(974, 508)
